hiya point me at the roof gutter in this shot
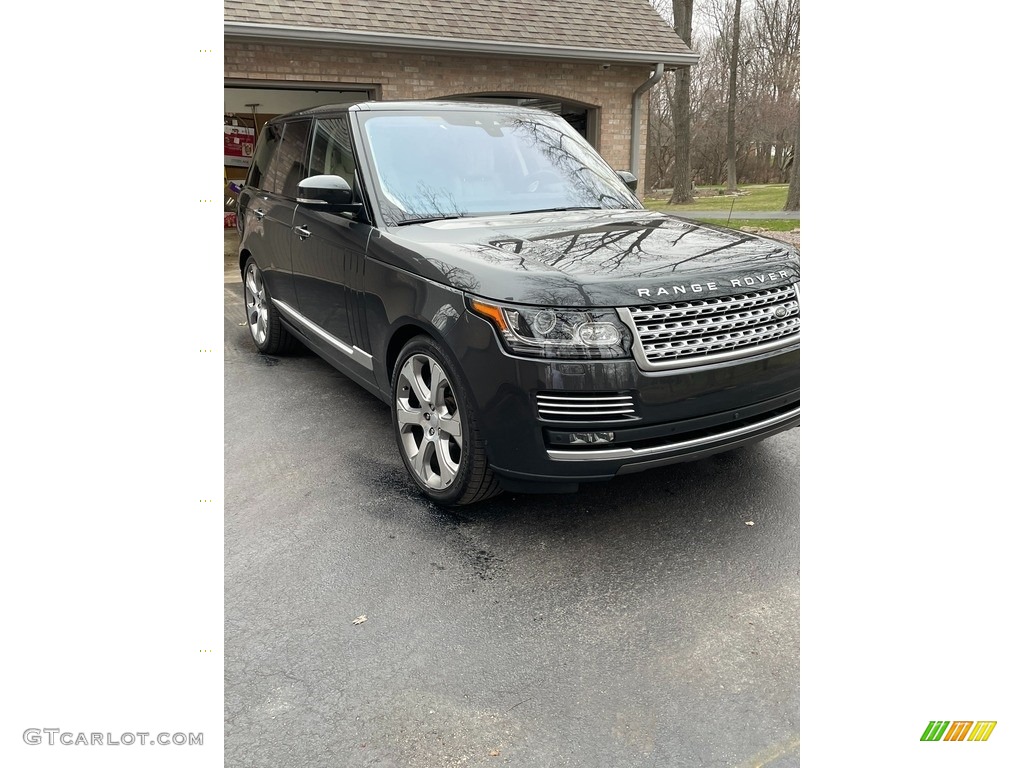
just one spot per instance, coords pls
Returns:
(284, 33)
(634, 133)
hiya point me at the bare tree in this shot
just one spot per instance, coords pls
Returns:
(793, 198)
(661, 152)
(682, 192)
(743, 96)
(777, 30)
(734, 57)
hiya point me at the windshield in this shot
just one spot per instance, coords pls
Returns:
(453, 164)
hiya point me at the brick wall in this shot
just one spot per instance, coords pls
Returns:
(406, 75)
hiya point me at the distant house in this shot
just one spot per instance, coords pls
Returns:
(589, 60)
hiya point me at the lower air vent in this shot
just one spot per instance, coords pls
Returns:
(585, 406)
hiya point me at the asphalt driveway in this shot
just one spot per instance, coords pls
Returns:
(647, 621)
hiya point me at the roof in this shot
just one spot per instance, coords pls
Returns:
(624, 30)
(411, 106)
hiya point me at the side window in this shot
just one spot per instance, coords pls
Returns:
(289, 165)
(332, 150)
(270, 139)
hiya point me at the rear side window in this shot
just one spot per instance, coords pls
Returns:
(269, 141)
(332, 150)
(289, 164)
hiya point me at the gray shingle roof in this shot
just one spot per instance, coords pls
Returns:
(628, 25)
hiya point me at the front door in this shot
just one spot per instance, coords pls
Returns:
(328, 257)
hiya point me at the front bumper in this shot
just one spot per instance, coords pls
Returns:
(530, 410)
(701, 436)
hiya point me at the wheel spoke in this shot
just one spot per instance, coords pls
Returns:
(250, 284)
(447, 466)
(421, 461)
(438, 382)
(412, 371)
(450, 425)
(406, 384)
(407, 417)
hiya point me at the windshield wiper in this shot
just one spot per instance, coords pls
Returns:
(551, 210)
(425, 220)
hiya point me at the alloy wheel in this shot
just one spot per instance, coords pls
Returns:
(256, 305)
(429, 420)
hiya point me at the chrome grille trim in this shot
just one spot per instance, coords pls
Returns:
(586, 406)
(705, 331)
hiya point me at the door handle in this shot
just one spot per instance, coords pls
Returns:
(302, 232)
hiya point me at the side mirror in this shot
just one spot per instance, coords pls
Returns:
(331, 194)
(628, 179)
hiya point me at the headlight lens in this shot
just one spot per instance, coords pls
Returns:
(557, 332)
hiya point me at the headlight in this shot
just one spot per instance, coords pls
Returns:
(557, 332)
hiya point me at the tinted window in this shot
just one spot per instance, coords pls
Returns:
(332, 150)
(270, 138)
(289, 164)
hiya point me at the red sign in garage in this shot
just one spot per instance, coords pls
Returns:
(239, 143)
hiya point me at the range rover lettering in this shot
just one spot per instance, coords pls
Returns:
(483, 271)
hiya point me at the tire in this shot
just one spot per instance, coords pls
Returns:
(262, 317)
(436, 427)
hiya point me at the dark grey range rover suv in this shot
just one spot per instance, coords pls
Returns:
(483, 270)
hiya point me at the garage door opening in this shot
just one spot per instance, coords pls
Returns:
(248, 107)
(249, 103)
(580, 116)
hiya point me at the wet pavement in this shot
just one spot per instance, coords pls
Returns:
(640, 622)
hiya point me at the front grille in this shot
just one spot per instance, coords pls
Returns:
(709, 330)
(585, 406)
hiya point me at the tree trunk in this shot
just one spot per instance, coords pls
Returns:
(682, 181)
(734, 58)
(793, 198)
(682, 191)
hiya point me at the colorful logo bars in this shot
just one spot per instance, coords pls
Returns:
(958, 730)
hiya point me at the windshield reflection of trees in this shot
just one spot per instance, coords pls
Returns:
(588, 183)
(424, 201)
(461, 167)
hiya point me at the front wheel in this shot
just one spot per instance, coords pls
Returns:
(435, 427)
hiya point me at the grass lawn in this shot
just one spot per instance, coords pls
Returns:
(752, 197)
(773, 225)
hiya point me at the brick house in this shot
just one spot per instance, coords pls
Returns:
(590, 60)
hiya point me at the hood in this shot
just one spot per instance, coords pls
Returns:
(588, 258)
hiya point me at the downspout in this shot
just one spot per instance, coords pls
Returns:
(634, 136)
